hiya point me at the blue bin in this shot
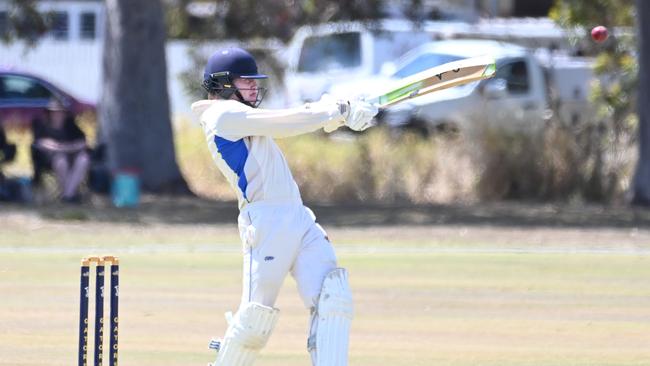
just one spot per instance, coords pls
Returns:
(126, 189)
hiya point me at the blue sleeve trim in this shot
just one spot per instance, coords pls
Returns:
(235, 154)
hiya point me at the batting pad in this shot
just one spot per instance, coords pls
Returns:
(247, 334)
(333, 318)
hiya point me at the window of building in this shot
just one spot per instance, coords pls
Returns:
(4, 23)
(59, 24)
(88, 25)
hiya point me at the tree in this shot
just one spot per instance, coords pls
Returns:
(24, 22)
(605, 144)
(134, 110)
(250, 19)
(641, 188)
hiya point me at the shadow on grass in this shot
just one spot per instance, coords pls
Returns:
(188, 210)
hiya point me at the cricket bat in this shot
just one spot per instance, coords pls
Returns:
(436, 78)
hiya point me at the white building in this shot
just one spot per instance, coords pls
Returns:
(70, 56)
(72, 20)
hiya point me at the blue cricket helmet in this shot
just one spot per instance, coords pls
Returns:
(224, 66)
(234, 60)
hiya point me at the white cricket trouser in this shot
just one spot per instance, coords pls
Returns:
(279, 238)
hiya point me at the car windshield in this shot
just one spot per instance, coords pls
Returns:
(331, 52)
(423, 62)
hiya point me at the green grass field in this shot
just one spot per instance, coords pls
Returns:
(423, 295)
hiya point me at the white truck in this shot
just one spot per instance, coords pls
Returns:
(520, 96)
(320, 57)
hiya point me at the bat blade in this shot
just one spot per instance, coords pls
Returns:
(436, 78)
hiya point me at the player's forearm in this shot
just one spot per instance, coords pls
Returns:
(278, 123)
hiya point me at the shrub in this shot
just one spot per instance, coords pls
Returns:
(371, 167)
(557, 163)
(587, 163)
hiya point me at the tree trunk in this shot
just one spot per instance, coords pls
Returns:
(642, 177)
(134, 109)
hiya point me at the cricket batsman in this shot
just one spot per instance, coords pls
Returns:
(279, 234)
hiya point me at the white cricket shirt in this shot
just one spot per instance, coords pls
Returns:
(240, 139)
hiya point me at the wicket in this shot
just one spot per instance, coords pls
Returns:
(100, 283)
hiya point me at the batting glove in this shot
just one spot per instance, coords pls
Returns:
(358, 114)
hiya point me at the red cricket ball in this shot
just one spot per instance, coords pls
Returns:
(599, 34)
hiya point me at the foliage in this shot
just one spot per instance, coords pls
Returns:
(249, 19)
(561, 162)
(615, 59)
(372, 167)
(614, 92)
(589, 13)
(24, 22)
(387, 167)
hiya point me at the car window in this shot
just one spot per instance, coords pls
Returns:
(423, 62)
(516, 76)
(22, 87)
(331, 52)
(390, 45)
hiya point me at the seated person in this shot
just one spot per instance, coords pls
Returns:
(7, 150)
(60, 145)
(7, 153)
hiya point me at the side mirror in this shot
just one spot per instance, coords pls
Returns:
(387, 69)
(495, 89)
